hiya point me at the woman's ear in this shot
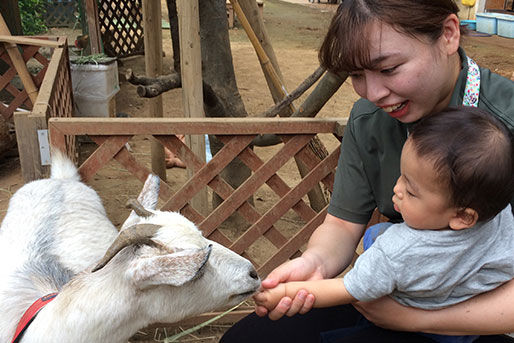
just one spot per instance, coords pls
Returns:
(464, 219)
(450, 38)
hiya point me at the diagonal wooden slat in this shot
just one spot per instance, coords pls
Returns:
(310, 159)
(129, 162)
(189, 212)
(288, 249)
(7, 76)
(126, 159)
(207, 172)
(223, 189)
(279, 186)
(102, 155)
(254, 182)
(250, 158)
(285, 203)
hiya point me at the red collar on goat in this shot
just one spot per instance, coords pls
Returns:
(30, 314)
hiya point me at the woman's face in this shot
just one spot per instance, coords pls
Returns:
(411, 77)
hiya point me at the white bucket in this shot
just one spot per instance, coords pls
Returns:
(94, 89)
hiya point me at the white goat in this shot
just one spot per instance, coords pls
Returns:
(56, 230)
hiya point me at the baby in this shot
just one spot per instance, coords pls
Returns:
(458, 232)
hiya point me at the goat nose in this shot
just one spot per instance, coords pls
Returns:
(253, 274)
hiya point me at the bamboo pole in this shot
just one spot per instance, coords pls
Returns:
(261, 54)
(19, 63)
(254, 15)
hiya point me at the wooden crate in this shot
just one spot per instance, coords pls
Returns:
(55, 99)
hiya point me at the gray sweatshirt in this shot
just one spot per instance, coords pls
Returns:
(432, 269)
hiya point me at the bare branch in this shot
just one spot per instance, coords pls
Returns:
(306, 84)
(325, 89)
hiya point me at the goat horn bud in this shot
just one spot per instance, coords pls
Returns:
(138, 208)
(136, 234)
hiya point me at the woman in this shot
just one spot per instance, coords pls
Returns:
(405, 62)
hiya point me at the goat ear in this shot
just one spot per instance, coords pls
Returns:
(149, 195)
(173, 269)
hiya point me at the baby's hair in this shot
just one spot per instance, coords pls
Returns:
(346, 44)
(472, 151)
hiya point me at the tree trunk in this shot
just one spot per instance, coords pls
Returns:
(173, 19)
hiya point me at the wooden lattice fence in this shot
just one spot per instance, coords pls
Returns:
(13, 94)
(121, 27)
(55, 99)
(61, 13)
(111, 135)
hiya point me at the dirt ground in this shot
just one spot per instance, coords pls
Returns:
(296, 30)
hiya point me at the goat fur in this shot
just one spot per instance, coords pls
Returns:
(54, 232)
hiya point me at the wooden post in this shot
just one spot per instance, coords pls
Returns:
(93, 26)
(153, 66)
(19, 63)
(28, 145)
(191, 71)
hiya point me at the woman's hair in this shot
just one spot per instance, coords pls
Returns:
(346, 44)
(472, 152)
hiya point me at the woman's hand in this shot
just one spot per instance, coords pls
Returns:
(299, 269)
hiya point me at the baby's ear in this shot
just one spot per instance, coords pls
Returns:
(464, 219)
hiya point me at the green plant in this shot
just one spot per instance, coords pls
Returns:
(32, 16)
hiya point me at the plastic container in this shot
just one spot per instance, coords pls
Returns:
(505, 25)
(94, 107)
(487, 23)
(470, 24)
(94, 89)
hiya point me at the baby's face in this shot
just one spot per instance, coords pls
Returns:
(418, 196)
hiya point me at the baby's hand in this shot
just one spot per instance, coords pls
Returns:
(270, 298)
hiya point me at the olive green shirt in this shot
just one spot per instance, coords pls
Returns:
(369, 163)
